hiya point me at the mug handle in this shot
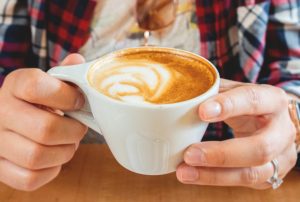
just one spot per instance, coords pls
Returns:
(76, 75)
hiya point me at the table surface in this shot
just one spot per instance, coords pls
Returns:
(94, 175)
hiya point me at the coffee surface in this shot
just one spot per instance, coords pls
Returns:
(155, 77)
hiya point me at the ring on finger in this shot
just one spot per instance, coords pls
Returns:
(275, 181)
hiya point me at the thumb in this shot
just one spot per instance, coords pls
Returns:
(73, 59)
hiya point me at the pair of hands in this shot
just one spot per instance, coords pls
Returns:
(35, 140)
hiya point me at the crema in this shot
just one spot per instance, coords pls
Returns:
(151, 75)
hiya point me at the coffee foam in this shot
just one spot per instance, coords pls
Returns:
(156, 78)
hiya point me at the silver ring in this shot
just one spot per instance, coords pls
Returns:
(275, 181)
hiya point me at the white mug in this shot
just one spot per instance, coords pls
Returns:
(146, 139)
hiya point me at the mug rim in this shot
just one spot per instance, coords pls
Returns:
(111, 55)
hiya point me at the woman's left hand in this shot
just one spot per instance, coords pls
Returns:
(259, 117)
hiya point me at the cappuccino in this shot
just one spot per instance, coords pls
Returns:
(151, 75)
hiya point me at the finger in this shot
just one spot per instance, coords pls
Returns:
(226, 85)
(73, 59)
(244, 100)
(31, 155)
(37, 87)
(286, 163)
(240, 152)
(255, 177)
(224, 176)
(40, 126)
(24, 179)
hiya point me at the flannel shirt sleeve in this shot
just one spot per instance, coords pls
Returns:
(282, 54)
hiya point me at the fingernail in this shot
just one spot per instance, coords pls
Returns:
(211, 109)
(194, 156)
(189, 174)
(79, 102)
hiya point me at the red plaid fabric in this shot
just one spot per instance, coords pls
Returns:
(40, 33)
(14, 36)
(254, 41)
(68, 26)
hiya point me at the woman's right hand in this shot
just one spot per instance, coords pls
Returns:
(34, 141)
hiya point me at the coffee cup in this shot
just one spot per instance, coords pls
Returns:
(148, 123)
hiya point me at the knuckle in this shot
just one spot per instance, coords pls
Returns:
(250, 176)
(34, 156)
(13, 76)
(254, 97)
(211, 179)
(78, 132)
(46, 128)
(228, 104)
(220, 158)
(206, 177)
(265, 151)
(293, 161)
(217, 158)
(30, 87)
(282, 96)
(293, 158)
(82, 130)
(293, 132)
(70, 153)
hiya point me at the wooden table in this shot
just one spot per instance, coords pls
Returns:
(94, 175)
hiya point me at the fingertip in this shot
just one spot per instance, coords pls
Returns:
(179, 172)
(209, 110)
(194, 156)
(73, 59)
(187, 174)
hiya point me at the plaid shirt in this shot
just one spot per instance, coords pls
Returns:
(254, 41)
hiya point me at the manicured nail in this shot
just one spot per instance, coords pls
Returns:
(211, 109)
(194, 156)
(79, 102)
(189, 174)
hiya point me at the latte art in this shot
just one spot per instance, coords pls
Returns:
(135, 80)
(151, 77)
